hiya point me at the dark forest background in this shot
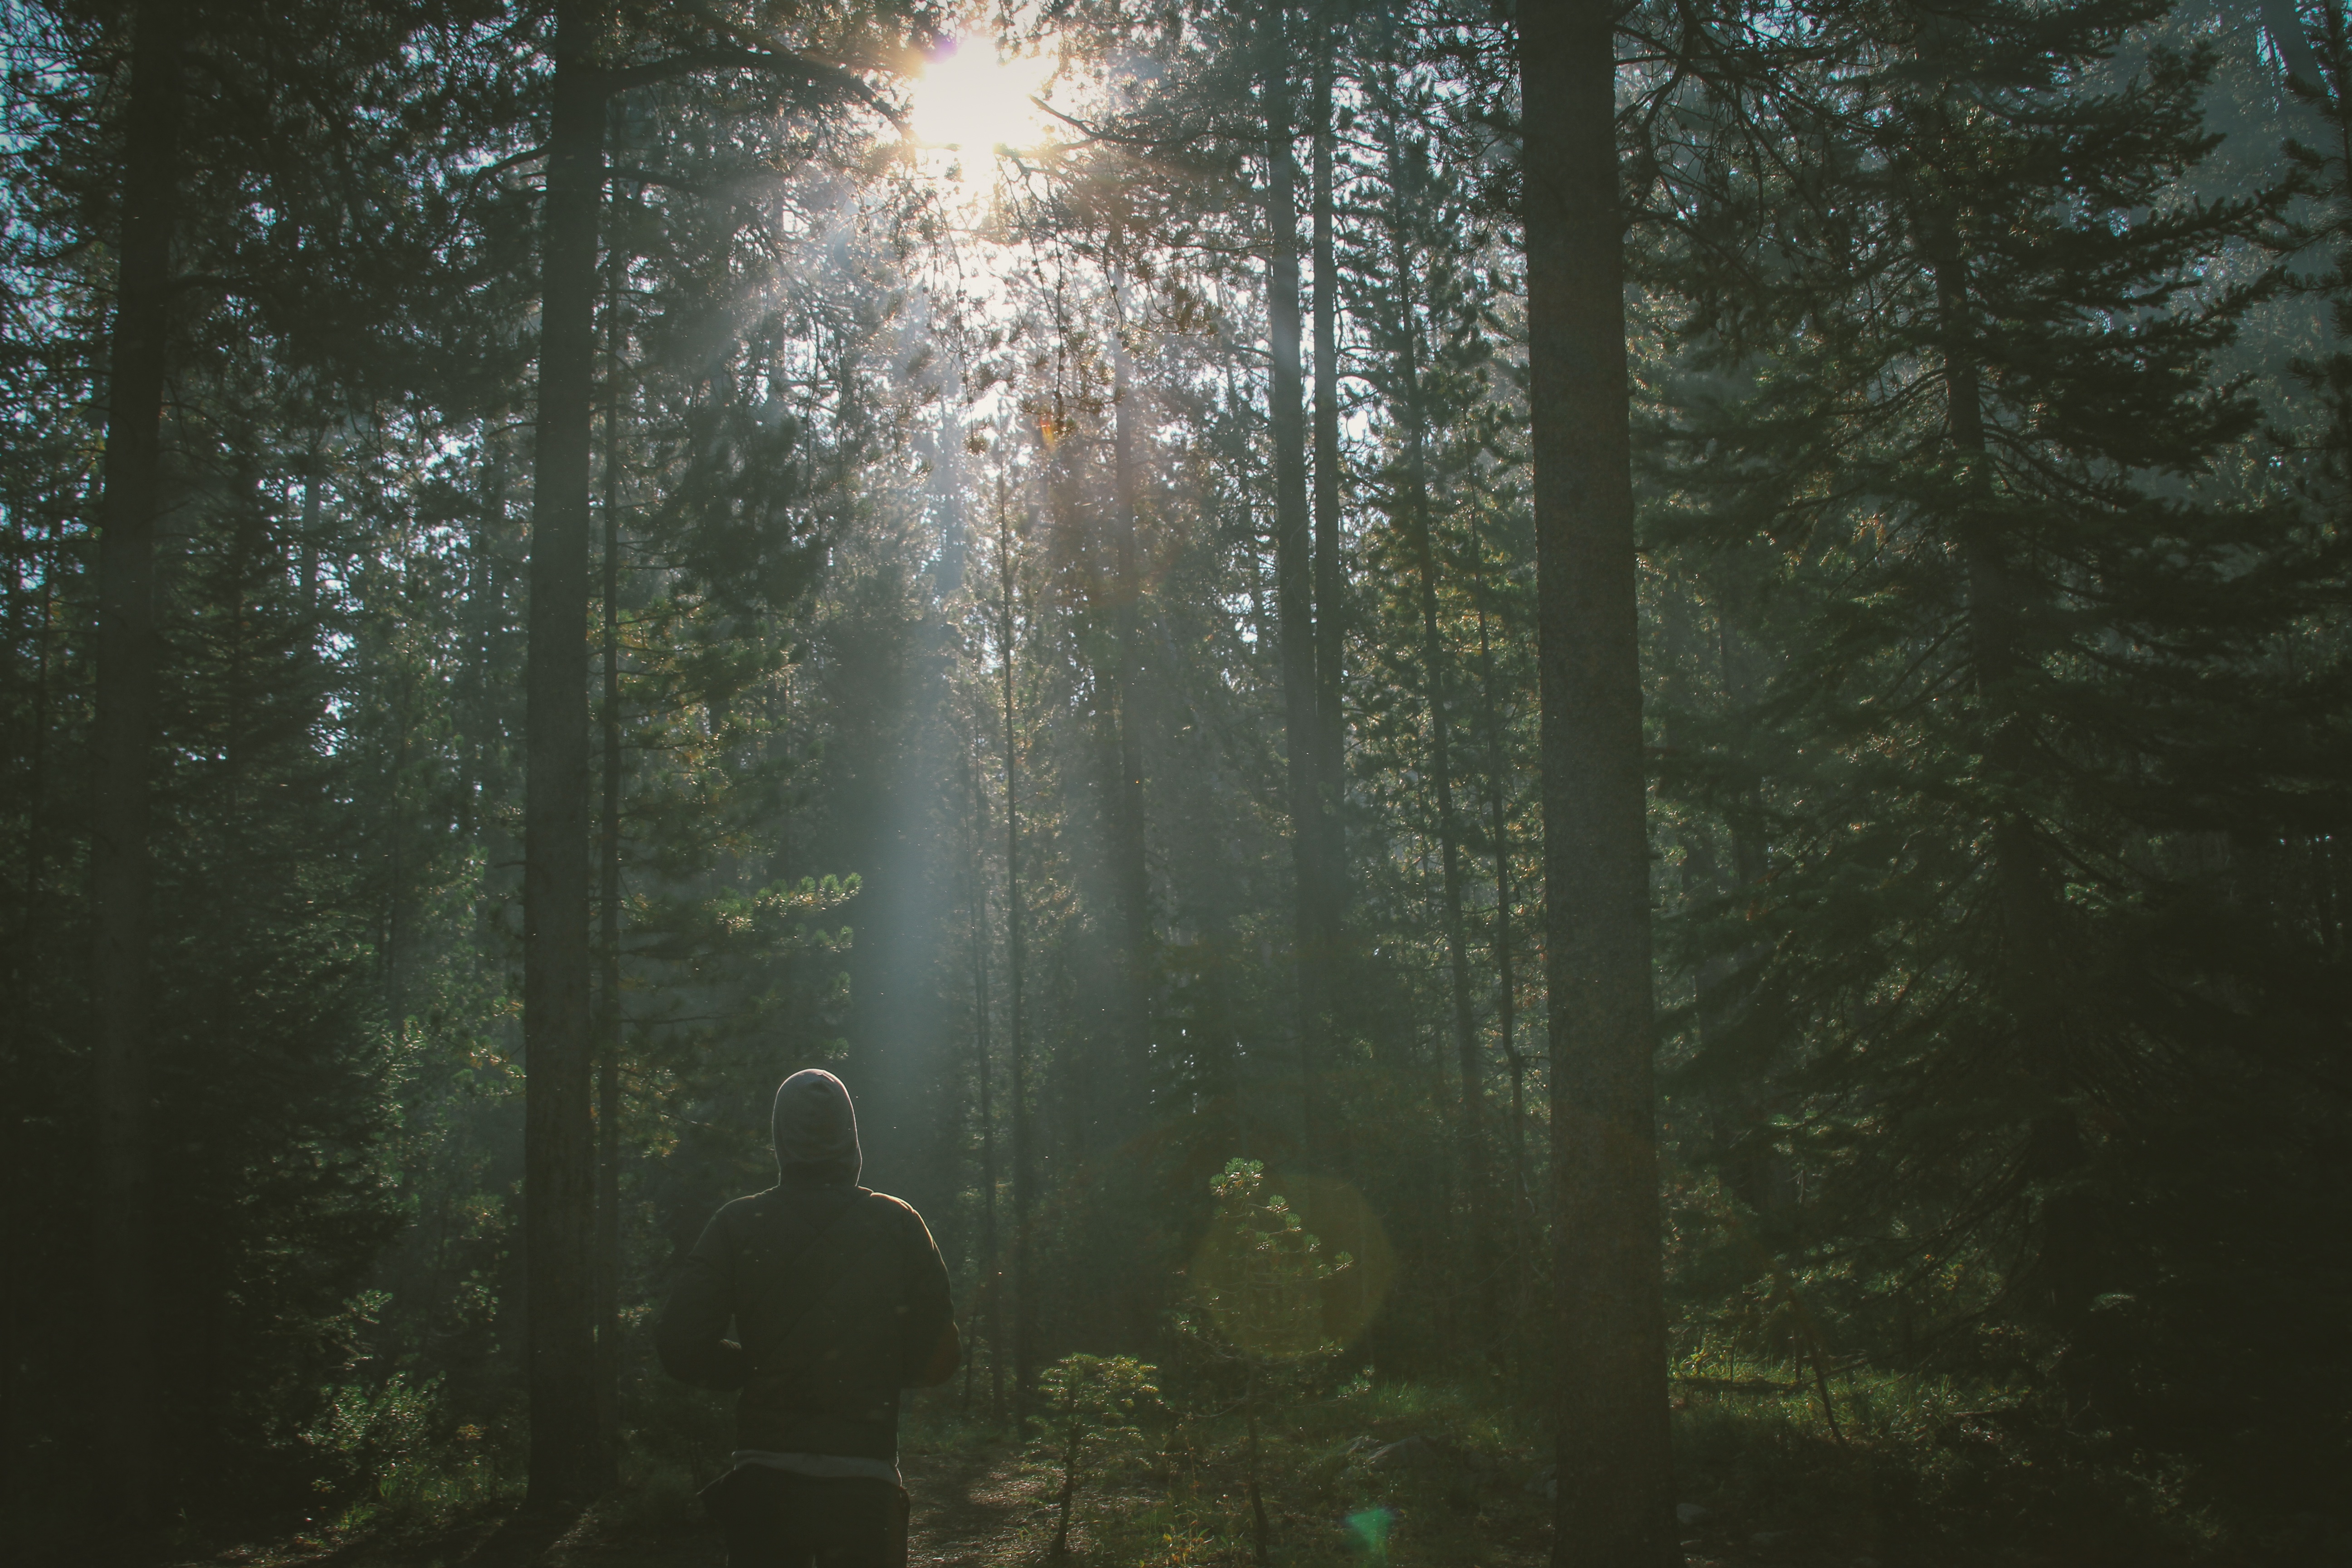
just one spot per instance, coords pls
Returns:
(1056, 639)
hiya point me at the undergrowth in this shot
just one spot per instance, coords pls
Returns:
(1919, 1473)
(1362, 1469)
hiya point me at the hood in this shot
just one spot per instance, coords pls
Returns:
(815, 1128)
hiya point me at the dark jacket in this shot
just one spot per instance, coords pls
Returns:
(836, 1294)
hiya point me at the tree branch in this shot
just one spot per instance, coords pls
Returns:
(830, 80)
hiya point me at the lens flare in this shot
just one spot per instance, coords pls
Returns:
(1285, 1317)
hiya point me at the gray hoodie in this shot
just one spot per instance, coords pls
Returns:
(814, 1129)
(837, 1296)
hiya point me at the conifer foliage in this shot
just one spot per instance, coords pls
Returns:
(1953, 463)
(1681, 668)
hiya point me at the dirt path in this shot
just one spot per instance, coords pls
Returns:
(973, 1509)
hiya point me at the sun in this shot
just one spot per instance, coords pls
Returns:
(969, 99)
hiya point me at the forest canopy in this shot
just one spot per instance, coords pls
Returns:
(1567, 780)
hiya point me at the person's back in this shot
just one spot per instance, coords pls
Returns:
(838, 1299)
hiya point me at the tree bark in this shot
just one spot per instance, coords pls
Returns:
(1024, 1177)
(485, 594)
(122, 864)
(2058, 1278)
(568, 1460)
(1615, 1507)
(1507, 985)
(1294, 587)
(608, 903)
(1331, 575)
(991, 1255)
(1471, 1143)
(1130, 871)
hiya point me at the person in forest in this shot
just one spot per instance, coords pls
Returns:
(839, 1300)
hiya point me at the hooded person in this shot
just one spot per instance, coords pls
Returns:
(838, 1299)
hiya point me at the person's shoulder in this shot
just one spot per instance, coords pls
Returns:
(748, 1209)
(898, 1208)
(896, 1211)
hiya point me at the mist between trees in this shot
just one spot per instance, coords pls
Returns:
(1625, 759)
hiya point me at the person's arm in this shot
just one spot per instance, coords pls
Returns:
(930, 1349)
(946, 1357)
(691, 1336)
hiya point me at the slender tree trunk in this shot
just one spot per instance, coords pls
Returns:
(1740, 1110)
(37, 764)
(29, 909)
(484, 591)
(394, 950)
(1330, 574)
(1507, 989)
(2020, 862)
(314, 465)
(1130, 871)
(568, 1463)
(608, 903)
(1472, 1128)
(2058, 1279)
(1260, 1530)
(1615, 1507)
(991, 1255)
(1024, 1195)
(1293, 585)
(121, 869)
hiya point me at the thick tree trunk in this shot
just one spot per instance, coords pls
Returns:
(1293, 584)
(1616, 1480)
(122, 871)
(568, 1460)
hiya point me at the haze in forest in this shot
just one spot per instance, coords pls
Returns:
(1566, 782)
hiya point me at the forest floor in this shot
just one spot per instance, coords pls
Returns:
(973, 1506)
(976, 1506)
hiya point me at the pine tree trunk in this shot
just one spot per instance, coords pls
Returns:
(1331, 575)
(122, 868)
(1616, 1506)
(1506, 994)
(608, 907)
(2032, 928)
(1293, 588)
(2020, 864)
(1471, 1144)
(15, 1432)
(485, 594)
(568, 1463)
(1024, 1197)
(991, 1255)
(1130, 873)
